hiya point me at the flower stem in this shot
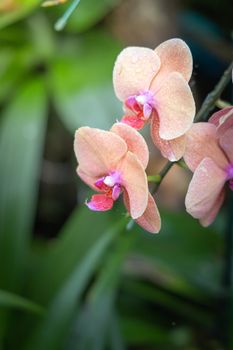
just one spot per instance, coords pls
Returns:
(162, 174)
(214, 95)
(61, 22)
(154, 178)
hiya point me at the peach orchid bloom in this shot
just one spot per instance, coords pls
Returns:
(209, 154)
(153, 85)
(114, 162)
(223, 120)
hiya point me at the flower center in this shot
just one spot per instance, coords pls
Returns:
(230, 175)
(110, 185)
(142, 104)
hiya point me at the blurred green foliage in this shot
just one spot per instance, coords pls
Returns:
(96, 285)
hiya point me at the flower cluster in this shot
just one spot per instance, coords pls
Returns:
(153, 87)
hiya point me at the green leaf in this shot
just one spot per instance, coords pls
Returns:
(52, 331)
(184, 256)
(13, 64)
(138, 331)
(11, 300)
(21, 142)
(20, 9)
(61, 257)
(116, 339)
(94, 324)
(81, 84)
(167, 299)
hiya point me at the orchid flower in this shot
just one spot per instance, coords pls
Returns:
(114, 162)
(223, 120)
(153, 86)
(209, 154)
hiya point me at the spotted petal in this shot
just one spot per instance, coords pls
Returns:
(175, 56)
(211, 215)
(170, 149)
(202, 142)
(89, 180)
(204, 189)
(223, 120)
(134, 181)
(226, 142)
(175, 106)
(219, 117)
(150, 219)
(98, 151)
(134, 69)
(135, 142)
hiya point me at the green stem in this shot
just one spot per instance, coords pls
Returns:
(61, 22)
(162, 174)
(212, 97)
(154, 178)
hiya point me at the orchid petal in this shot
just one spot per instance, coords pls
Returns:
(226, 143)
(175, 106)
(219, 117)
(150, 219)
(211, 215)
(100, 202)
(173, 149)
(223, 119)
(89, 180)
(135, 142)
(204, 189)
(98, 151)
(202, 142)
(134, 180)
(175, 56)
(134, 69)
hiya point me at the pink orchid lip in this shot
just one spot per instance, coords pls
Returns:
(141, 104)
(110, 186)
(100, 202)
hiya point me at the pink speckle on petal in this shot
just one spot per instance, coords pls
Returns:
(100, 202)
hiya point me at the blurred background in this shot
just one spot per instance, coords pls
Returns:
(70, 278)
